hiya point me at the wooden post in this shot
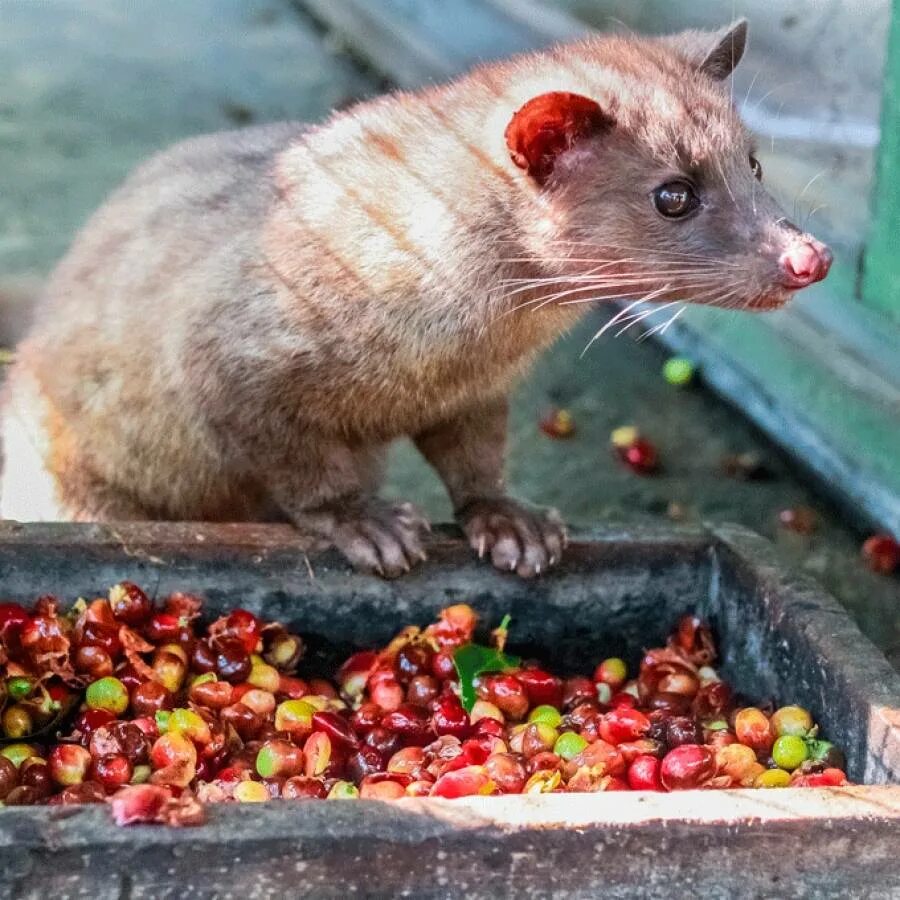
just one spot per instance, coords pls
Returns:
(881, 265)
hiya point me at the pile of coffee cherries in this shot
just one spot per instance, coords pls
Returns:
(117, 700)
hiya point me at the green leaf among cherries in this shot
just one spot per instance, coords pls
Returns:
(472, 660)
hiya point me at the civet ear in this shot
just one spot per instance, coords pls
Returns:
(550, 124)
(714, 53)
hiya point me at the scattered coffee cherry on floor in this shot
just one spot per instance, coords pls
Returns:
(679, 371)
(881, 553)
(558, 424)
(634, 450)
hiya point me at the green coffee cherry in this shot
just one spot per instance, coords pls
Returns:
(569, 744)
(789, 751)
(18, 753)
(107, 693)
(678, 371)
(343, 790)
(772, 778)
(20, 687)
(792, 720)
(549, 715)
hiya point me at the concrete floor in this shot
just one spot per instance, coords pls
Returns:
(88, 89)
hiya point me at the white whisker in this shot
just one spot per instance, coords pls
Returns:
(682, 261)
(642, 250)
(561, 242)
(610, 277)
(808, 185)
(687, 289)
(812, 212)
(767, 94)
(640, 318)
(616, 318)
(677, 313)
(725, 181)
(661, 327)
(750, 89)
(610, 282)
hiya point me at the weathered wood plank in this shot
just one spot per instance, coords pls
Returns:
(384, 39)
(614, 591)
(413, 43)
(881, 274)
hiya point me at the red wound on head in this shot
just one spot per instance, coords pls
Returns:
(550, 124)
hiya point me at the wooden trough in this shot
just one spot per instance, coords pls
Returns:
(780, 637)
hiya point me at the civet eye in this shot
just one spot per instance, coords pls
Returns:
(755, 167)
(675, 199)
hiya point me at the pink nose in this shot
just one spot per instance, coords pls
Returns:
(805, 263)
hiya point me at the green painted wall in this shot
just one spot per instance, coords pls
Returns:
(881, 272)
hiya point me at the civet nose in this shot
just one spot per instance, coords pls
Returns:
(805, 263)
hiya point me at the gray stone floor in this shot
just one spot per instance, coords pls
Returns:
(87, 89)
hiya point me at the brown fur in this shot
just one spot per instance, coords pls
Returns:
(250, 320)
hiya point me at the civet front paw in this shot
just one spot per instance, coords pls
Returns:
(382, 538)
(519, 539)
